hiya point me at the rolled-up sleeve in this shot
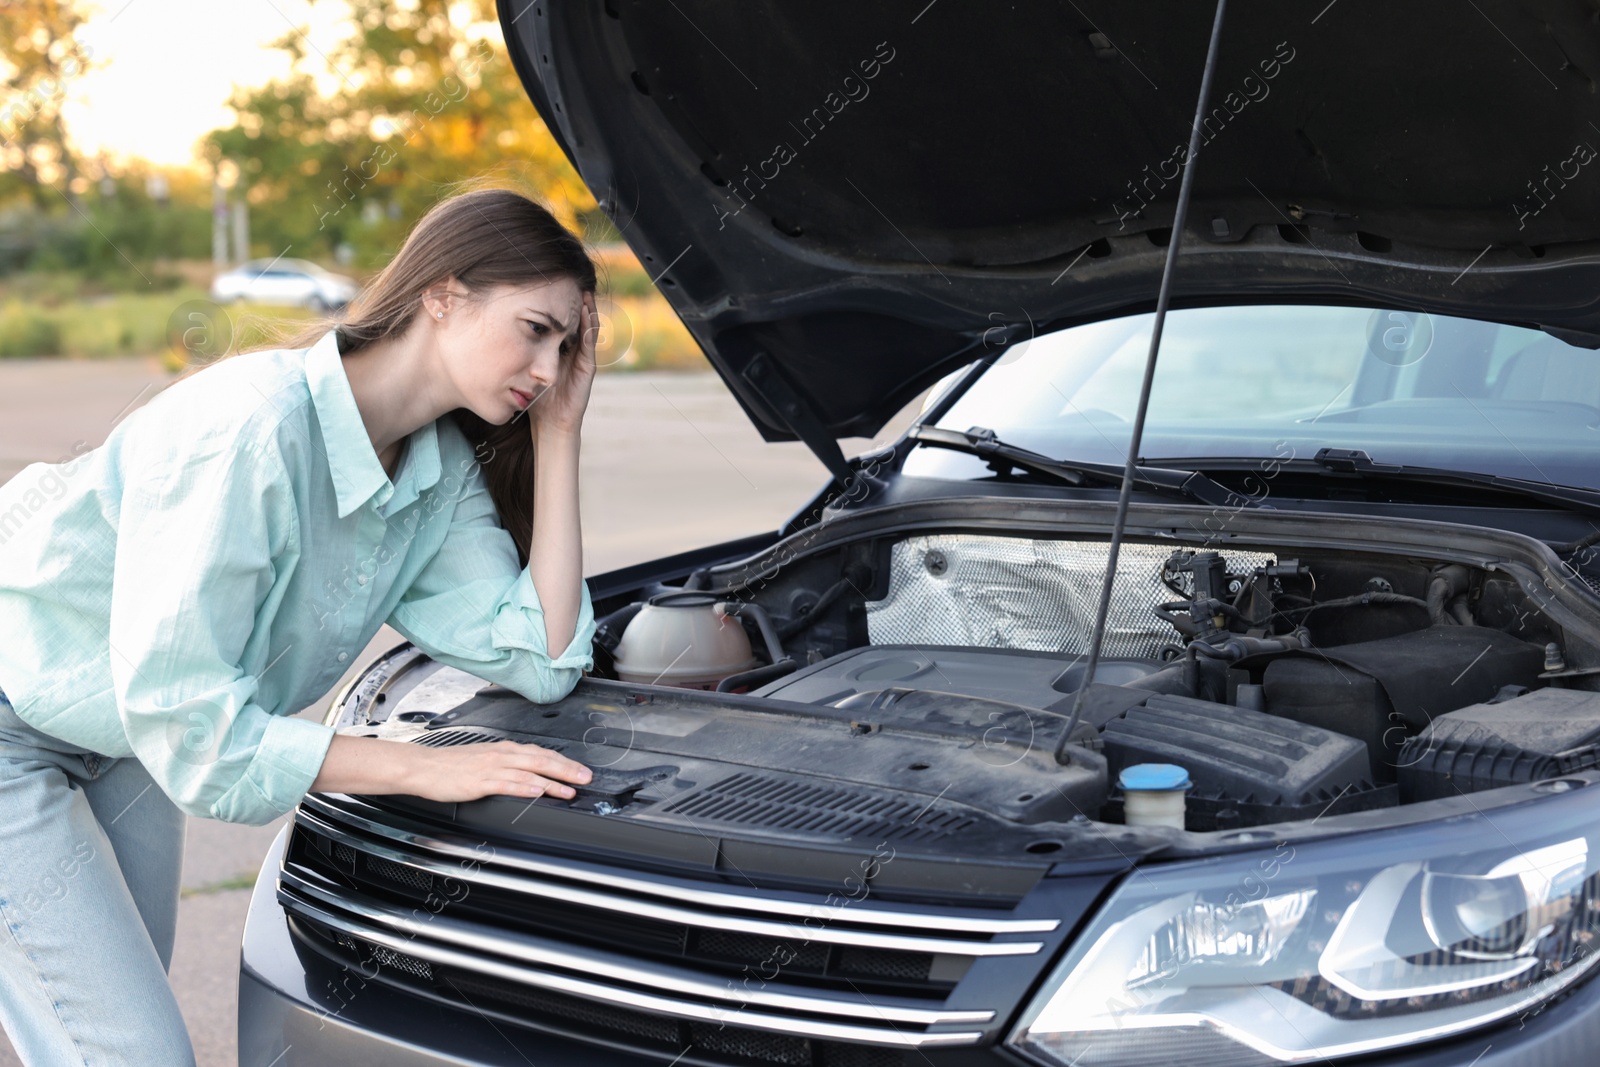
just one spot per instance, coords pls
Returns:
(473, 608)
(199, 545)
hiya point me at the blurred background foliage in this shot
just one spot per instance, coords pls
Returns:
(95, 254)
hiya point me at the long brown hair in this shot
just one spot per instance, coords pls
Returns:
(485, 236)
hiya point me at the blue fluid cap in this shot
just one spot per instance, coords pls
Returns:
(1153, 776)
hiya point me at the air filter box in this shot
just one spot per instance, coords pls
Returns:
(1248, 768)
(1383, 692)
(1542, 734)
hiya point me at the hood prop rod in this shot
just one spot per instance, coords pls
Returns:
(1179, 214)
(763, 376)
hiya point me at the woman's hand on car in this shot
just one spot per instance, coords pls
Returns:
(491, 768)
(375, 765)
(561, 406)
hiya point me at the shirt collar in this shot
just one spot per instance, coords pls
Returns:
(358, 475)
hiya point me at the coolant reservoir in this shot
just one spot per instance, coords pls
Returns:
(681, 639)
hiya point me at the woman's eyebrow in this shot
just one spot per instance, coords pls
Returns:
(560, 326)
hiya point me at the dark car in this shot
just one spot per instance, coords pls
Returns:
(859, 798)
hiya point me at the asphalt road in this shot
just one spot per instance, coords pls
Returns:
(669, 463)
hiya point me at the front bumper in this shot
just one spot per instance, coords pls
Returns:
(297, 1009)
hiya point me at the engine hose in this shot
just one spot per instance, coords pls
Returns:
(1572, 548)
(1181, 623)
(1438, 593)
(769, 635)
(695, 583)
(1364, 598)
(1234, 648)
(1186, 625)
(752, 678)
(608, 631)
(1448, 583)
(1238, 646)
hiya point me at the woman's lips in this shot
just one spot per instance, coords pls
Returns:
(523, 399)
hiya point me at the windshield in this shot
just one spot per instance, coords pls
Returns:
(1276, 381)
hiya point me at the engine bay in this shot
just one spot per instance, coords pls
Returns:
(1286, 686)
(920, 690)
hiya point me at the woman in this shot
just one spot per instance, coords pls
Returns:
(169, 600)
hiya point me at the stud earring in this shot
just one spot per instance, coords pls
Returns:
(441, 314)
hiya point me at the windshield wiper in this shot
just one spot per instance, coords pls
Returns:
(1357, 461)
(982, 442)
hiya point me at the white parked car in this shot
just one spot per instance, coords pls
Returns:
(285, 281)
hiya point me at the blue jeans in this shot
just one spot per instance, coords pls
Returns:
(91, 854)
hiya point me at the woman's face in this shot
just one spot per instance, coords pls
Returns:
(508, 341)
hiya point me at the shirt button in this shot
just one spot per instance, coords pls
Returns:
(361, 579)
(343, 656)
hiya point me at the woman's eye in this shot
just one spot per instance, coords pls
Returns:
(539, 328)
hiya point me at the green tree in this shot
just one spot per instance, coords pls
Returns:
(422, 101)
(38, 58)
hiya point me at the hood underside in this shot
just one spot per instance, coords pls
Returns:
(844, 201)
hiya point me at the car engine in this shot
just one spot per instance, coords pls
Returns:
(1286, 687)
(921, 688)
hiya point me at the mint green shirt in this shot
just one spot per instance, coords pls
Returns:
(180, 592)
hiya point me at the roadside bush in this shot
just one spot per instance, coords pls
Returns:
(127, 324)
(25, 331)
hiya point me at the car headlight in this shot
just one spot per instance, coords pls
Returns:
(1340, 947)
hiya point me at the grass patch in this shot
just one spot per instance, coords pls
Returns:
(95, 327)
(27, 331)
(57, 313)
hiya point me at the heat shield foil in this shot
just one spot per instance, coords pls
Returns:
(1004, 592)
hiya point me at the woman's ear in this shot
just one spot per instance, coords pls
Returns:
(436, 299)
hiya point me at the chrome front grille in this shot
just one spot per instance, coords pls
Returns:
(387, 957)
(639, 956)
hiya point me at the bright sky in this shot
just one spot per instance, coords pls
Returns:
(169, 66)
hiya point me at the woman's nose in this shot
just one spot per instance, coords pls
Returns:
(546, 369)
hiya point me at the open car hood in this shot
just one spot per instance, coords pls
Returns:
(844, 201)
